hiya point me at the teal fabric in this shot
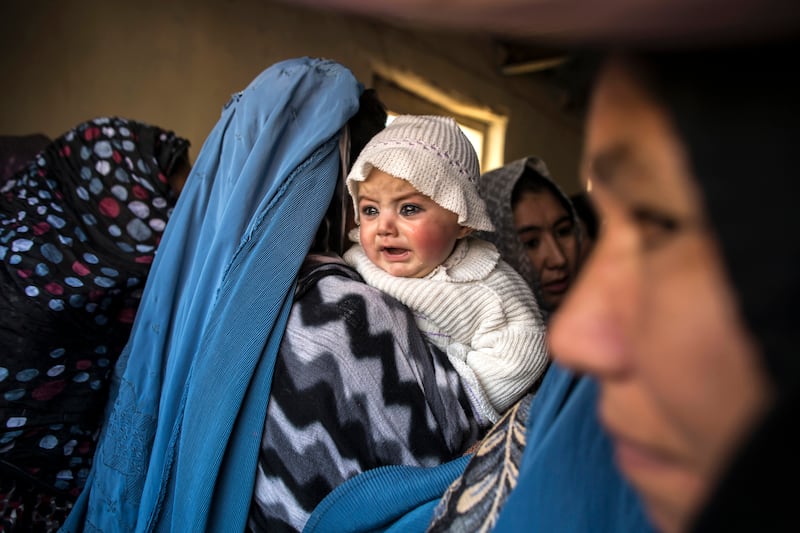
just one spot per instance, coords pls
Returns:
(568, 482)
(567, 479)
(180, 445)
(390, 498)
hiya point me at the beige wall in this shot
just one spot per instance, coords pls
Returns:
(175, 63)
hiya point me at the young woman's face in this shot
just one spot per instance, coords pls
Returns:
(401, 230)
(652, 316)
(548, 233)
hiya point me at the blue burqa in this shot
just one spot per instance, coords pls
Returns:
(179, 448)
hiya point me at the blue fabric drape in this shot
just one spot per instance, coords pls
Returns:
(390, 498)
(567, 480)
(180, 445)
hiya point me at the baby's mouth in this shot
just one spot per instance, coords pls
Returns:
(394, 251)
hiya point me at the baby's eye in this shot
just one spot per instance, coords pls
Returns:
(410, 209)
(369, 211)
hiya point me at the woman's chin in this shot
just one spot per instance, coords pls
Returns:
(669, 490)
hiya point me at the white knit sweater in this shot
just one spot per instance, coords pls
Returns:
(478, 309)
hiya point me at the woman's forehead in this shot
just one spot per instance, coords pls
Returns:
(538, 210)
(633, 149)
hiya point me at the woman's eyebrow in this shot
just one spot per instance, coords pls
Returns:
(562, 220)
(608, 165)
(526, 229)
(531, 227)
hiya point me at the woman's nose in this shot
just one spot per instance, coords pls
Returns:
(588, 332)
(554, 255)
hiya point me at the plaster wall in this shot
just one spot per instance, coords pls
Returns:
(176, 63)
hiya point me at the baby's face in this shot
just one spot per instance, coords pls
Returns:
(403, 231)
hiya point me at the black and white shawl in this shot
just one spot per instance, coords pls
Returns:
(355, 387)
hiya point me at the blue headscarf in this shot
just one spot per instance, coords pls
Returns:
(180, 445)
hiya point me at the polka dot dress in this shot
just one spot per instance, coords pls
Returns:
(79, 227)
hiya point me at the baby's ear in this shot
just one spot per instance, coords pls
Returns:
(464, 231)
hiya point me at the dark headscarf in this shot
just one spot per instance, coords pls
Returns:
(368, 121)
(737, 112)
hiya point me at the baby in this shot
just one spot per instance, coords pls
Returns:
(414, 188)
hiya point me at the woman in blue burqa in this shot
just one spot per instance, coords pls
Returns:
(261, 372)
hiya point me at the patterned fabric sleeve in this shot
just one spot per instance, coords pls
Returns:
(546, 466)
(355, 387)
(473, 501)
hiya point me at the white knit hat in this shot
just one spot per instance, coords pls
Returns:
(432, 154)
